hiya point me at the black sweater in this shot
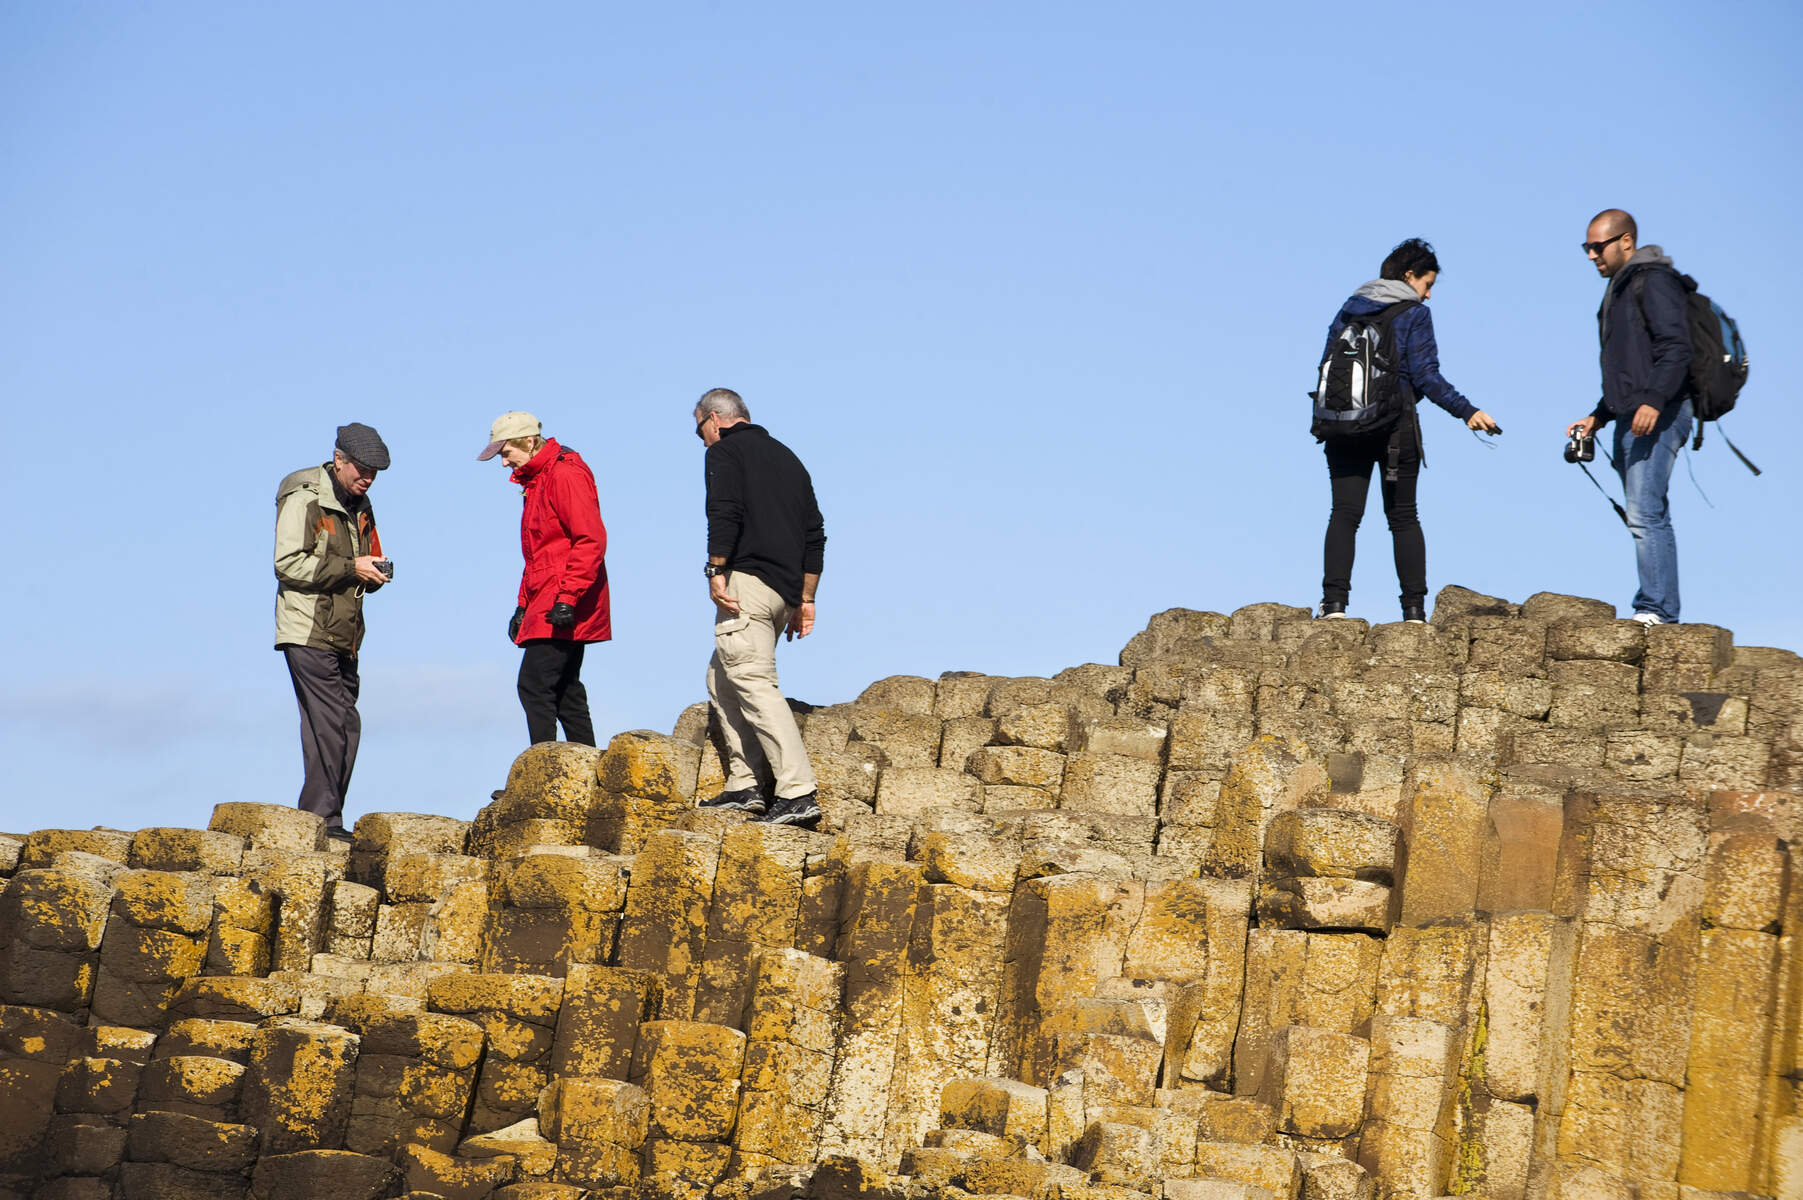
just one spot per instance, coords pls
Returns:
(761, 514)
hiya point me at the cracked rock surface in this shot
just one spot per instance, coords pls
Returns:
(1497, 906)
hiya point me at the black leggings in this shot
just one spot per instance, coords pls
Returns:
(551, 691)
(1349, 464)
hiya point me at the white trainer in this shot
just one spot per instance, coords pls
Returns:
(1647, 618)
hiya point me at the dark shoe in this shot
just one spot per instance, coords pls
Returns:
(1330, 609)
(339, 833)
(1414, 614)
(747, 800)
(798, 810)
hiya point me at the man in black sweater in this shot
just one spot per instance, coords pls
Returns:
(765, 544)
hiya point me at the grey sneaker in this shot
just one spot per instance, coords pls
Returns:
(797, 810)
(747, 800)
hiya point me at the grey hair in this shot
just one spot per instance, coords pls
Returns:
(724, 401)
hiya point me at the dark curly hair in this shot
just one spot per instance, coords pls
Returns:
(1414, 256)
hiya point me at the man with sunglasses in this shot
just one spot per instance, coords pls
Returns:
(327, 555)
(1645, 338)
(765, 545)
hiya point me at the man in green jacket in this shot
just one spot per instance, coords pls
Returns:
(327, 555)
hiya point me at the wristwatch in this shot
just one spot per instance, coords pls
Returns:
(713, 569)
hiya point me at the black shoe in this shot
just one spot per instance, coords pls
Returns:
(1330, 609)
(748, 800)
(798, 810)
(339, 833)
(1414, 614)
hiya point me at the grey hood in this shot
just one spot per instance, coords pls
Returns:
(1643, 256)
(1391, 291)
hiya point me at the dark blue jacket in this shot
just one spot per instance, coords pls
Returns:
(1419, 355)
(1645, 333)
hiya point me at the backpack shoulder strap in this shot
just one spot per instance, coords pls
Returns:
(1639, 282)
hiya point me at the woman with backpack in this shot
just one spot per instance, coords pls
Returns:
(1380, 359)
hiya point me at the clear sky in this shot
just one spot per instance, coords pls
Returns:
(1035, 290)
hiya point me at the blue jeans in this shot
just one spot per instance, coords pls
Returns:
(1645, 466)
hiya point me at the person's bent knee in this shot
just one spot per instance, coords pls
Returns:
(752, 677)
(534, 687)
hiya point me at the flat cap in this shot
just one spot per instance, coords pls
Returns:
(364, 444)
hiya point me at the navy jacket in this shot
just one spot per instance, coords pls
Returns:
(1418, 352)
(1645, 335)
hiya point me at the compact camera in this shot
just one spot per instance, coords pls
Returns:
(386, 566)
(1581, 449)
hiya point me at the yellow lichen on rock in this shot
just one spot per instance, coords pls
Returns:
(1501, 906)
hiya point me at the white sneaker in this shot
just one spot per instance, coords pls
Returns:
(1339, 616)
(1647, 618)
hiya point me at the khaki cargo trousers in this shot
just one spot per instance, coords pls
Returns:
(760, 732)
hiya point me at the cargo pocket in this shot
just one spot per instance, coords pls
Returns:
(733, 638)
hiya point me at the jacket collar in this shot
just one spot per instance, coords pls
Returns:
(547, 454)
(328, 493)
(741, 427)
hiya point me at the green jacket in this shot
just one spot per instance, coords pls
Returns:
(319, 599)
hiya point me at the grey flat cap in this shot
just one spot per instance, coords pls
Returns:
(364, 444)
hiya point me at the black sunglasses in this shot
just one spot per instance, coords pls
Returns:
(702, 424)
(1598, 247)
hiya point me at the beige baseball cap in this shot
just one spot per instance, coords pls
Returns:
(508, 426)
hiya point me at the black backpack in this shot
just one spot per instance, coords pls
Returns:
(1718, 362)
(1360, 388)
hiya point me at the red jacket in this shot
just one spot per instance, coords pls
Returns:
(565, 545)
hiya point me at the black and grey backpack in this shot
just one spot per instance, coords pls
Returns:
(1361, 389)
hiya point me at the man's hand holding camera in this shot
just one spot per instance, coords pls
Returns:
(373, 572)
(1645, 418)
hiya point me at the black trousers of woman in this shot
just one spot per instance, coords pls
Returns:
(1350, 462)
(551, 691)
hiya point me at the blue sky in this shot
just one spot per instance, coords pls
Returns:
(1035, 290)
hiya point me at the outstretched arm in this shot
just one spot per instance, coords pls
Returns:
(1421, 357)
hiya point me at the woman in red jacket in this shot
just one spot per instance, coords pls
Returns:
(563, 591)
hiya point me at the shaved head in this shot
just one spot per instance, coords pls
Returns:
(1610, 241)
(1613, 221)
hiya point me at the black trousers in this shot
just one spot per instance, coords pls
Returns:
(325, 687)
(551, 691)
(1349, 465)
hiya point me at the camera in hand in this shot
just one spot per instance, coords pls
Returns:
(1580, 449)
(386, 567)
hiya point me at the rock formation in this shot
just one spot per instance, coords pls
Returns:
(1499, 906)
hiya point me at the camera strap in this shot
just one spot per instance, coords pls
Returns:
(1619, 510)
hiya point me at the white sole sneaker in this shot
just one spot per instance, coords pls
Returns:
(1646, 618)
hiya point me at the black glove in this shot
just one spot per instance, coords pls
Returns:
(563, 616)
(513, 626)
